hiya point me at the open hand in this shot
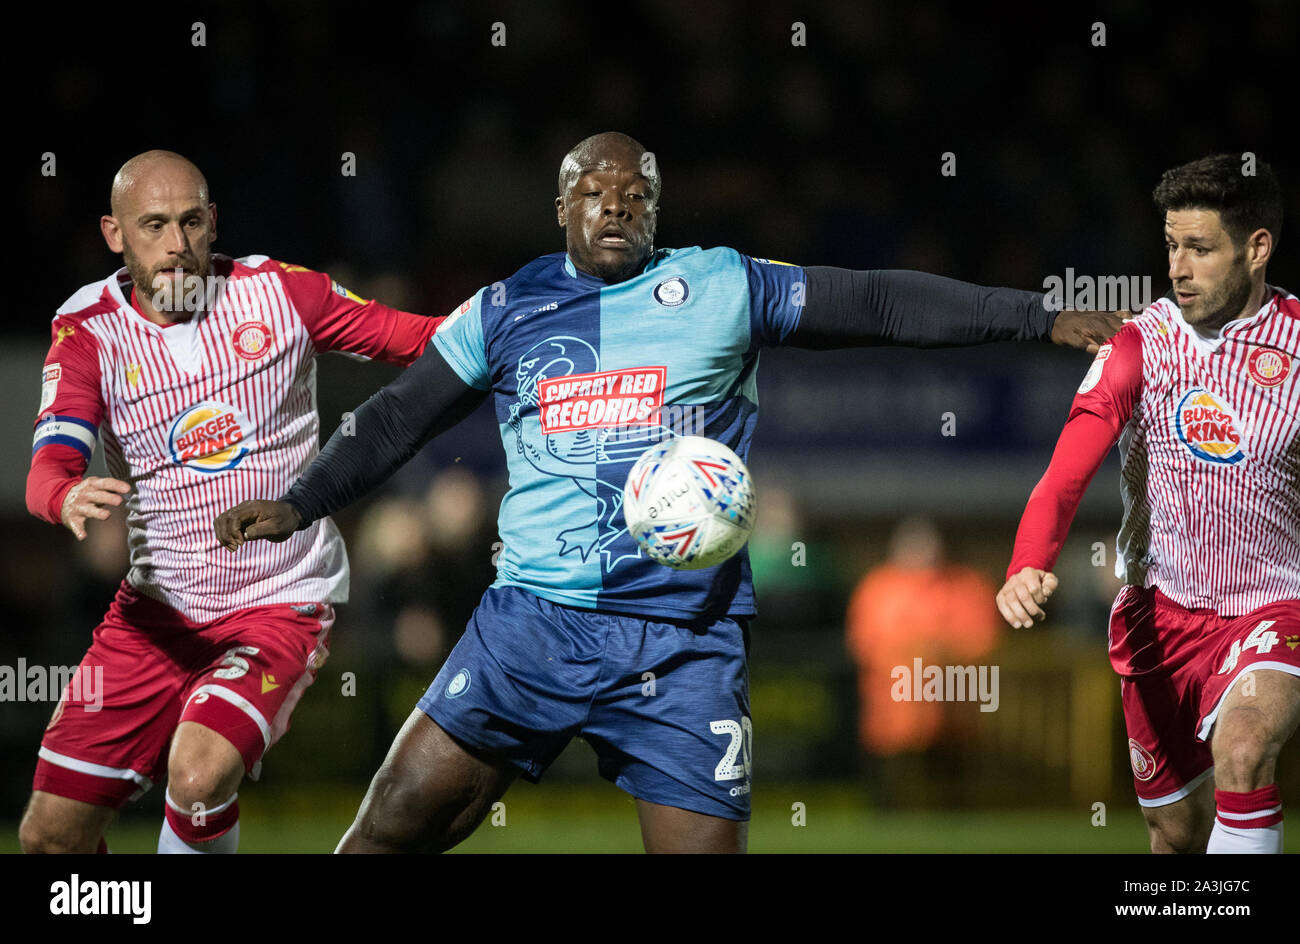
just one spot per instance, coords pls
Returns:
(92, 497)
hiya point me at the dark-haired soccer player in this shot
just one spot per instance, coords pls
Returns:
(1202, 395)
(586, 353)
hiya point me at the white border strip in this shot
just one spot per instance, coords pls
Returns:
(97, 770)
(1207, 723)
(240, 702)
(1180, 793)
(1259, 814)
(212, 812)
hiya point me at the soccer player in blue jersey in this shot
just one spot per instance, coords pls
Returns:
(586, 355)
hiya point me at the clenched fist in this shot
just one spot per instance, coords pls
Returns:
(1022, 597)
(256, 520)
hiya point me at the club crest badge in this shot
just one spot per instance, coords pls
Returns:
(672, 292)
(1144, 765)
(459, 684)
(1268, 366)
(251, 340)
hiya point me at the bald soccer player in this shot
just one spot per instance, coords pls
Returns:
(196, 373)
(588, 356)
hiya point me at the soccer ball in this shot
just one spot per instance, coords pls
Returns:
(689, 503)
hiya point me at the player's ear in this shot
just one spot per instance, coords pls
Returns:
(212, 222)
(559, 211)
(1259, 248)
(112, 232)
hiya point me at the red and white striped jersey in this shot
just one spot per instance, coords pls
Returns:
(1209, 437)
(201, 415)
(1211, 460)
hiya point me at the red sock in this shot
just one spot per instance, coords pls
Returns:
(209, 827)
(1253, 810)
(1249, 822)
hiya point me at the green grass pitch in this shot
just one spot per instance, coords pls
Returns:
(564, 818)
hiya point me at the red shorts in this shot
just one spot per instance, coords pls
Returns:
(149, 668)
(1177, 666)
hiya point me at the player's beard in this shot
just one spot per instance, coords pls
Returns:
(622, 267)
(165, 292)
(616, 272)
(1226, 302)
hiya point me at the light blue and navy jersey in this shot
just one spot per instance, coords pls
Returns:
(584, 377)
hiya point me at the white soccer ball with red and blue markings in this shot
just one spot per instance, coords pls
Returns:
(689, 503)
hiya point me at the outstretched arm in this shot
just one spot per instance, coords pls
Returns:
(338, 320)
(427, 399)
(1105, 402)
(851, 308)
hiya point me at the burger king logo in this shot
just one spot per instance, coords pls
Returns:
(251, 340)
(210, 437)
(1268, 366)
(1144, 765)
(1208, 428)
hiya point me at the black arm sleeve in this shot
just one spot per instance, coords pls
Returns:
(427, 399)
(848, 308)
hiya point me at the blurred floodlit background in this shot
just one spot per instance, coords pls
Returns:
(827, 153)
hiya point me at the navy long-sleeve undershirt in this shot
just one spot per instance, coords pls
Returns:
(843, 308)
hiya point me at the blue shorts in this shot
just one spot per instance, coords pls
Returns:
(664, 705)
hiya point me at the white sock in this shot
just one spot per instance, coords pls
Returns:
(1247, 821)
(225, 844)
(1258, 840)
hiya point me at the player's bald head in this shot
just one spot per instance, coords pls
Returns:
(163, 222)
(151, 171)
(605, 150)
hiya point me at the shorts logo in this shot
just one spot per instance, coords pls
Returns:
(1144, 765)
(210, 437)
(672, 292)
(1268, 366)
(459, 684)
(1208, 428)
(251, 340)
